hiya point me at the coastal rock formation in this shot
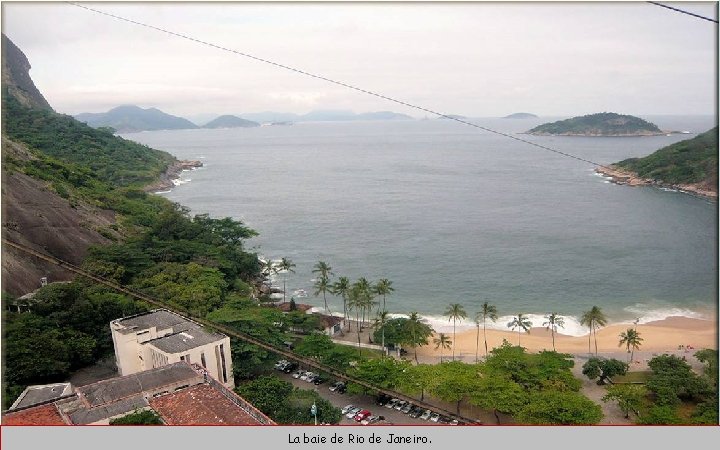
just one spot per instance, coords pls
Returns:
(601, 124)
(16, 77)
(689, 166)
(172, 173)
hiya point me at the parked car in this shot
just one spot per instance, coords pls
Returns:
(434, 417)
(391, 404)
(351, 414)
(346, 409)
(312, 377)
(369, 420)
(298, 374)
(339, 387)
(290, 367)
(415, 412)
(382, 399)
(444, 420)
(362, 414)
(406, 409)
(426, 414)
(319, 380)
(280, 364)
(306, 375)
(400, 405)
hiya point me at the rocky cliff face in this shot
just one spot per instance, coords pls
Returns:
(16, 77)
(32, 213)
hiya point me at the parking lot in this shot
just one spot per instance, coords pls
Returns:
(392, 416)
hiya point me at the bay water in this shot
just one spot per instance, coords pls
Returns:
(454, 214)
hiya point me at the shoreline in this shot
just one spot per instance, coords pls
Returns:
(172, 173)
(660, 336)
(625, 177)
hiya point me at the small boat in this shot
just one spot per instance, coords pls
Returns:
(300, 293)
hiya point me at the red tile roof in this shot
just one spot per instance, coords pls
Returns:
(200, 405)
(38, 415)
(329, 321)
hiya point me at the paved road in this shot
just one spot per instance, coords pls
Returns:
(392, 416)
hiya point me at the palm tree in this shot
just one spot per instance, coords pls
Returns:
(285, 266)
(488, 311)
(384, 288)
(632, 340)
(553, 322)
(442, 342)
(455, 312)
(417, 331)
(594, 319)
(269, 268)
(521, 323)
(355, 303)
(379, 324)
(323, 269)
(322, 285)
(342, 287)
(365, 289)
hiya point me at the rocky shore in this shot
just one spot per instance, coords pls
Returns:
(172, 173)
(621, 176)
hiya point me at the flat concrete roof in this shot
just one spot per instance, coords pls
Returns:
(184, 340)
(33, 395)
(161, 319)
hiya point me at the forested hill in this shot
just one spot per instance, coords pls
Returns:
(601, 124)
(694, 161)
(229, 121)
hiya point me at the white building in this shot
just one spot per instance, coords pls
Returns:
(161, 337)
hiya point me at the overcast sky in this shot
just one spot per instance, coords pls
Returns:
(470, 59)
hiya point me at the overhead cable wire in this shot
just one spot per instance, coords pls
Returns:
(683, 11)
(339, 83)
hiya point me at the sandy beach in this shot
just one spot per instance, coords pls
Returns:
(664, 336)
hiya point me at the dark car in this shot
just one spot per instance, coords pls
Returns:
(290, 367)
(339, 387)
(382, 399)
(416, 412)
(319, 380)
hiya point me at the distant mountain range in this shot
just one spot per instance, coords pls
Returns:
(131, 118)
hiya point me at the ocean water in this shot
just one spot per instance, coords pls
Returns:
(453, 214)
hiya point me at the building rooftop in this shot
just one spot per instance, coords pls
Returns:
(37, 415)
(200, 405)
(107, 391)
(85, 416)
(184, 340)
(329, 321)
(33, 395)
(161, 319)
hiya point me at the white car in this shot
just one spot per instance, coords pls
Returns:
(346, 409)
(369, 419)
(353, 412)
(305, 376)
(434, 417)
(426, 415)
(391, 404)
(298, 374)
(400, 405)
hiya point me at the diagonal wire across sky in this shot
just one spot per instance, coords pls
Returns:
(353, 87)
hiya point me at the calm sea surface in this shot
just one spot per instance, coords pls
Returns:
(452, 214)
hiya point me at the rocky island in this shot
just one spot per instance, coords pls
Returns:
(229, 121)
(521, 115)
(600, 124)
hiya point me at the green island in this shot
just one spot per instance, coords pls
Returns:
(200, 266)
(600, 124)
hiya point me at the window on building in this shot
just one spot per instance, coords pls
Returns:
(222, 359)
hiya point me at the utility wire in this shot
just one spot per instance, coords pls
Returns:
(339, 83)
(683, 11)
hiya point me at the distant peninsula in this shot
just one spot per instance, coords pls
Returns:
(600, 124)
(131, 118)
(230, 121)
(521, 115)
(689, 166)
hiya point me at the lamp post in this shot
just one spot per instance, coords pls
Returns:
(313, 411)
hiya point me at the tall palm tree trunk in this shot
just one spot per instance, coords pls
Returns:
(552, 332)
(453, 345)
(589, 337)
(485, 336)
(477, 344)
(595, 335)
